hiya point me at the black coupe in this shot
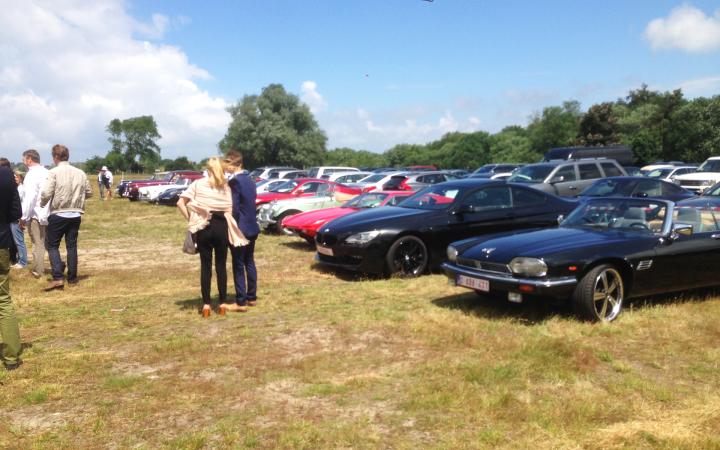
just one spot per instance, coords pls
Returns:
(607, 250)
(407, 238)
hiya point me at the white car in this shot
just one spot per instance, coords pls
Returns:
(376, 181)
(669, 173)
(706, 175)
(347, 177)
(151, 193)
(321, 171)
(266, 185)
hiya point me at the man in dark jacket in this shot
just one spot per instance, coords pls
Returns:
(243, 211)
(10, 212)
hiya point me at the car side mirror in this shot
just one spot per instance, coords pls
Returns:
(680, 229)
(558, 179)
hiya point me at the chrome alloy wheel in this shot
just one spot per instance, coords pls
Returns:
(608, 294)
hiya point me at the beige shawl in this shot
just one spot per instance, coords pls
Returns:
(204, 199)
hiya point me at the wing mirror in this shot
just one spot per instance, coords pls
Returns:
(558, 179)
(680, 229)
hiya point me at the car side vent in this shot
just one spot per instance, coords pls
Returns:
(644, 265)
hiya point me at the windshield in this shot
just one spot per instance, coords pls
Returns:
(608, 187)
(433, 197)
(642, 216)
(715, 191)
(531, 174)
(485, 169)
(711, 165)
(365, 201)
(284, 188)
(373, 178)
(312, 173)
(256, 173)
(659, 173)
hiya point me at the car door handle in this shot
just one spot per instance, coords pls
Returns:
(715, 236)
(572, 188)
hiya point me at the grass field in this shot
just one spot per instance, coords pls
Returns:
(329, 360)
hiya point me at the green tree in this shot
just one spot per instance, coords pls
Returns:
(513, 145)
(599, 126)
(274, 127)
(134, 139)
(557, 126)
(354, 158)
(179, 163)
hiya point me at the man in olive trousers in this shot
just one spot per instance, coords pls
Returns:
(9, 213)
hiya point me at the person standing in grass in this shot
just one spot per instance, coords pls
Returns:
(9, 213)
(207, 206)
(65, 190)
(17, 229)
(34, 216)
(243, 210)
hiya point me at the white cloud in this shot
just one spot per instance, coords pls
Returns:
(686, 28)
(310, 96)
(68, 67)
(701, 86)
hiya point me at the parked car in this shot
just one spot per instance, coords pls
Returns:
(377, 181)
(266, 185)
(459, 173)
(286, 174)
(606, 251)
(417, 181)
(151, 193)
(412, 236)
(661, 164)
(706, 176)
(633, 171)
(270, 215)
(668, 173)
(263, 173)
(171, 196)
(346, 177)
(132, 190)
(301, 187)
(122, 187)
(620, 153)
(636, 187)
(318, 172)
(566, 178)
(710, 199)
(495, 170)
(306, 224)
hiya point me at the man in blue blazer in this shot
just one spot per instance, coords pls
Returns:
(243, 210)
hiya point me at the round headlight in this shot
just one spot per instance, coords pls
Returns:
(452, 253)
(531, 267)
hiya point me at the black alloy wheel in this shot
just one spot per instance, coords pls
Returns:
(407, 257)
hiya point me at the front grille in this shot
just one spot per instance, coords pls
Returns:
(345, 260)
(483, 265)
(328, 240)
(694, 183)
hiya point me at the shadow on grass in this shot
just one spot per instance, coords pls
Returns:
(675, 298)
(532, 311)
(196, 304)
(299, 245)
(344, 274)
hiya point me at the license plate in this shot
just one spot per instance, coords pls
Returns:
(473, 283)
(325, 250)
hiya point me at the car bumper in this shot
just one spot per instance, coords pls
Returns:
(560, 287)
(370, 259)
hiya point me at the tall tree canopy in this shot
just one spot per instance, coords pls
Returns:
(275, 127)
(133, 145)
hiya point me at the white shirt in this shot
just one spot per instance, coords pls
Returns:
(33, 185)
(108, 175)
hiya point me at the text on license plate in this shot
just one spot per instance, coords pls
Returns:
(325, 250)
(473, 283)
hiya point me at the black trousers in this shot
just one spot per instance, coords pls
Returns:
(58, 228)
(214, 237)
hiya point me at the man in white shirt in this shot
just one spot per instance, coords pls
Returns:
(35, 217)
(106, 179)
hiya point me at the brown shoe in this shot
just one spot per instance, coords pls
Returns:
(234, 307)
(251, 303)
(55, 284)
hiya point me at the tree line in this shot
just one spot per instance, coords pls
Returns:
(277, 128)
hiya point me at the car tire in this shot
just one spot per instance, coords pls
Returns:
(599, 295)
(407, 257)
(278, 225)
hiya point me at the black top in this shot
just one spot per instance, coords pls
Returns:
(10, 210)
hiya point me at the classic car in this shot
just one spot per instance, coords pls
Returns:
(122, 187)
(171, 196)
(132, 190)
(151, 193)
(604, 252)
(306, 224)
(412, 236)
(301, 187)
(270, 215)
(636, 187)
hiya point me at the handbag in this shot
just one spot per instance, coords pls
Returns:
(189, 246)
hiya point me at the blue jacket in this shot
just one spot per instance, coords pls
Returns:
(9, 208)
(243, 199)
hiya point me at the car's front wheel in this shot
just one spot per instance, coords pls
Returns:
(599, 295)
(407, 257)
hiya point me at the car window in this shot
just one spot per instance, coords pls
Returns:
(670, 189)
(310, 187)
(526, 197)
(490, 198)
(611, 170)
(394, 200)
(322, 189)
(567, 172)
(589, 171)
(703, 219)
(651, 188)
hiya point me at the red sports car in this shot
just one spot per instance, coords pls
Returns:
(302, 187)
(306, 224)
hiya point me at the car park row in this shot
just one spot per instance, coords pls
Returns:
(578, 231)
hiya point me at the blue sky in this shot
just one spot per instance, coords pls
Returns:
(376, 73)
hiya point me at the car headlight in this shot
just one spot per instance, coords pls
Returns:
(708, 182)
(452, 253)
(531, 267)
(362, 238)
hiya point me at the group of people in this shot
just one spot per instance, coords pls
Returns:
(49, 204)
(220, 210)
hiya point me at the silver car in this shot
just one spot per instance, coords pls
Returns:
(567, 178)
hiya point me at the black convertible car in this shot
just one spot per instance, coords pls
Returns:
(407, 238)
(607, 250)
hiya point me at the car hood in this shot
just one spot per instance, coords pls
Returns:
(546, 242)
(310, 217)
(377, 218)
(703, 200)
(699, 176)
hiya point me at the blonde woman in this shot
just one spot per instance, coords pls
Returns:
(207, 206)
